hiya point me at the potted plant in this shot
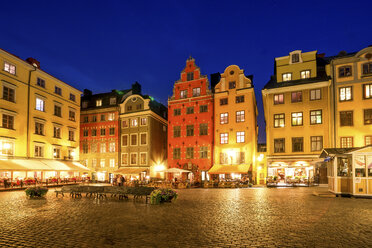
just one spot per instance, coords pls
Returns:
(163, 195)
(36, 191)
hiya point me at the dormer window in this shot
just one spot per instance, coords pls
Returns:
(190, 76)
(305, 74)
(85, 104)
(367, 68)
(344, 71)
(287, 76)
(183, 93)
(99, 102)
(112, 101)
(295, 58)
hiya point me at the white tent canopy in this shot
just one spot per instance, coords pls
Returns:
(175, 170)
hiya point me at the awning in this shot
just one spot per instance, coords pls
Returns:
(131, 170)
(227, 169)
(40, 165)
(175, 170)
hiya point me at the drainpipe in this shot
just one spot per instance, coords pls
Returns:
(334, 104)
(28, 111)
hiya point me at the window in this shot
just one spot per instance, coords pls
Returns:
(240, 116)
(176, 112)
(316, 117)
(134, 122)
(368, 140)
(240, 157)
(278, 99)
(224, 159)
(190, 152)
(346, 118)
(367, 68)
(224, 138)
(8, 121)
(239, 99)
(316, 143)
(39, 151)
(40, 82)
(57, 151)
(287, 76)
(176, 131)
(203, 108)
(72, 97)
(298, 144)
(111, 116)
(112, 101)
(94, 132)
(297, 119)
(367, 91)
(305, 74)
(94, 118)
(190, 130)
(223, 101)
(39, 128)
(279, 145)
(112, 147)
(176, 153)
(8, 94)
(367, 116)
(84, 104)
(40, 104)
(102, 148)
(124, 123)
(129, 108)
(143, 121)
(124, 140)
(57, 90)
(124, 158)
(279, 120)
(86, 119)
(103, 131)
(346, 94)
(196, 92)
(9, 68)
(183, 93)
(103, 117)
(203, 129)
(133, 139)
(93, 147)
(296, 96)
(98, 102)
(190, 76)
(143, 137)
(112, 162)
(315, 94)
(203, 152)
(112, 131)
(102, 163)
(57, 110)
(346, 142)
(295, 58)
(224, 118)
(133, 158)
(57, 132)
(143, 158)
(138, 106)
(240, 137)
(232, 85)
(85, 132)
(71, 115)
(94, 162)
(189, 110)
(344, 71)
(7, 147)
(71, 135)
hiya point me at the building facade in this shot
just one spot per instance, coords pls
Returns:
(39, 134)
(190, 123)
(143, 146)
(100, 131)
(235, 126)
(298, 116)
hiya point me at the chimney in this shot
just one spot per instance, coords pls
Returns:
(136, 88)
(33, 62)
(87, 92)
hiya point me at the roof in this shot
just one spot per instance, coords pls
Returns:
(272, 84)
(339, 151)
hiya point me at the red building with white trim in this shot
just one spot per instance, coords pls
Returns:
(190, 123)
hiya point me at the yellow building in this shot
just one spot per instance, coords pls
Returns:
(297, 114)
(352, 88)
(40, 114)
(235, 128)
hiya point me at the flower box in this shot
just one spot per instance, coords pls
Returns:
(36, 192)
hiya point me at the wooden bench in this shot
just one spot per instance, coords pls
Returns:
(64, 189)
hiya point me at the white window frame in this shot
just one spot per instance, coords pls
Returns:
(9, 67)
(135, 134)
(112, 148)
(345, 93)
(305, 74)
(102, 147)
(42, 146)
(102, 163)
(39, 106)
(240, 137)
(224, 138)
(196, 92)
(122, 161)
(134, 122)
(141, 139)
(222, 118)
(112, 163)
(130, 158)
(314, 94)
(111, 116)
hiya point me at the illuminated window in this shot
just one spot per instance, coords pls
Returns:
(287, 76)
(240, 157)
(7, 147)
(203, 152)
(367, 91)
(176, 112)
(190, 130)
(143, 121)
(99, 102)
(305, 74)
(102, 163)
(367, 116)
(112, 147)
(346, 142)
(93, 147)
(196, 92)
(94, 162)
(111, 116)
(240, 116)
(57, 151)
(112, 101)
(297, 119)
(295, 58)
(278, 98)
(102, 148)
(296, 96)
(239, 99)
(316, 117)
(176, 153)
(346, 118)
(183, 93)
(71, 115)
(203, 129)
(345, 94)
(224, 118)
(40, 104)
(223, 101)
(344, 71)
(240, 137)
(316, 143)
(368, 140)
(9, 68)
(315, 94)
(279, 120)
(176, 131)
(124, 158)
(112, 162)
(224, 138)
(298, 144)
(134, 122)
(190, 152)
(279, 145)
(224, 159)
(189, 110)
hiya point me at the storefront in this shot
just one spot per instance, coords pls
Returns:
(349, 170)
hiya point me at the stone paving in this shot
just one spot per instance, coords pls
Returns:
(253, 217)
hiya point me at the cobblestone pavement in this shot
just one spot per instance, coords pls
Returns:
(256, 217)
